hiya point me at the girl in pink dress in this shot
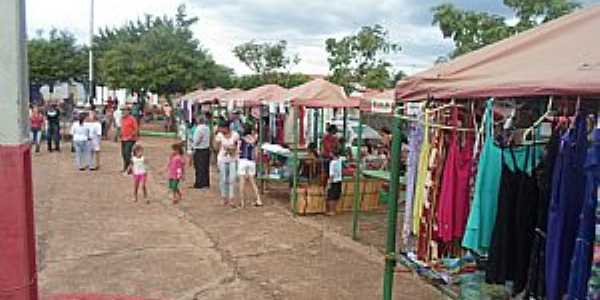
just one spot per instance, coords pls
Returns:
(175, 171)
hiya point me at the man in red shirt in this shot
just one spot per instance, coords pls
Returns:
(129, 135)
(330, 142)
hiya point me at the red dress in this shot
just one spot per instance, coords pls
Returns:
(453, 209)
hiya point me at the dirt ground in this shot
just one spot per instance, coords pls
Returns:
(92, 238)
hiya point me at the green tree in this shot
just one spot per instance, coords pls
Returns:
(157, 54)
(358, 59)
(56, 58)
(472, 30)
(266, 59)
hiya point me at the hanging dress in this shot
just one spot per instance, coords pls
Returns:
(414, 146)
(453, 207)
(537, 282)
(568, 192)
(420, 188)
(582, 257)
(512, 237)
(483, 208)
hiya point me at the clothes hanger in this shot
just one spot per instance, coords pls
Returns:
(539, 121)
(445, 106)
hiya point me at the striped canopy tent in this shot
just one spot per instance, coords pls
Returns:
(558, 58)
(262, 94)
(320, 93)
(228, 97)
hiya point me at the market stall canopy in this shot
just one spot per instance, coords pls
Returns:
(265, 93)
(320, 93)
(211, 95)
(229, 96)
(561, 57)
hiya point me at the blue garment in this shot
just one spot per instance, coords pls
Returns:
(568, 191)
(582, 257)
(247, 150)
(414, 148)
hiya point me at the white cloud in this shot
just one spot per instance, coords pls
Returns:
(304, 24)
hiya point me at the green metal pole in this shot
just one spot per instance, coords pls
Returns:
(390, 248)
(295, 164)
(357, 176)
(316, 128)
(346, 129)
(322, 126)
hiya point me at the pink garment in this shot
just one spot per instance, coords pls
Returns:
(175, 167)
(139, 178)
(453, 208)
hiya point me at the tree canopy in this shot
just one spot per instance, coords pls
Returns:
(265, 58)
(359, 58)
(270, 63)
(472, 30)
(56, 58)
(158, 54)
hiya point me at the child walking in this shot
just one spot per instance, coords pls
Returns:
(175, 171)
(334, 183)
(138, 169)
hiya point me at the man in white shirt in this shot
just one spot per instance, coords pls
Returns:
(117, 115)
(201, 149)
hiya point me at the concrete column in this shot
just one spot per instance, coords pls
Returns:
(18, 279)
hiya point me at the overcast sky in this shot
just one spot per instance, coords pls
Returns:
(304, 24)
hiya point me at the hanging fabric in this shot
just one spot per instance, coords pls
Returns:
(482, 214)
(537, 283)
(427, 247)
(420, 189)
(568, 191)
(582, 257)
(483, 209)
(414, 147)
(453, 205)
(512, 237)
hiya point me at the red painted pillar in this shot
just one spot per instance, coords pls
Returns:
(18, 280)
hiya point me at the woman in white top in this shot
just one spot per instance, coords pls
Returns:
(81, 136)
(227, 142)
(95, 131)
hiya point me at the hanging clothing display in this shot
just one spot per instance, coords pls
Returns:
(537, 283)
(454, 203)
(512, 237)
(483, 209)
(568, 191)
(582, 257)
(422, 170)
(482, 215)
(427, 248)
(414, 147)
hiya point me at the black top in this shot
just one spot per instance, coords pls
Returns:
(53, 116)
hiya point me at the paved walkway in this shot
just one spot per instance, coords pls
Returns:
(92, 238)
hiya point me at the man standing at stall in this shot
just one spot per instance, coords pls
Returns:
(129, 135)
(201, 148)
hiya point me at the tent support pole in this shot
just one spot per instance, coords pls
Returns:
(261, 130)
(357, 176)
(316, 128)
(390, 248)
(294, 198)
(345, 128)
(322, 127)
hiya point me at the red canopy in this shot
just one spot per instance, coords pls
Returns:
(561, 57)
(320, 93)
